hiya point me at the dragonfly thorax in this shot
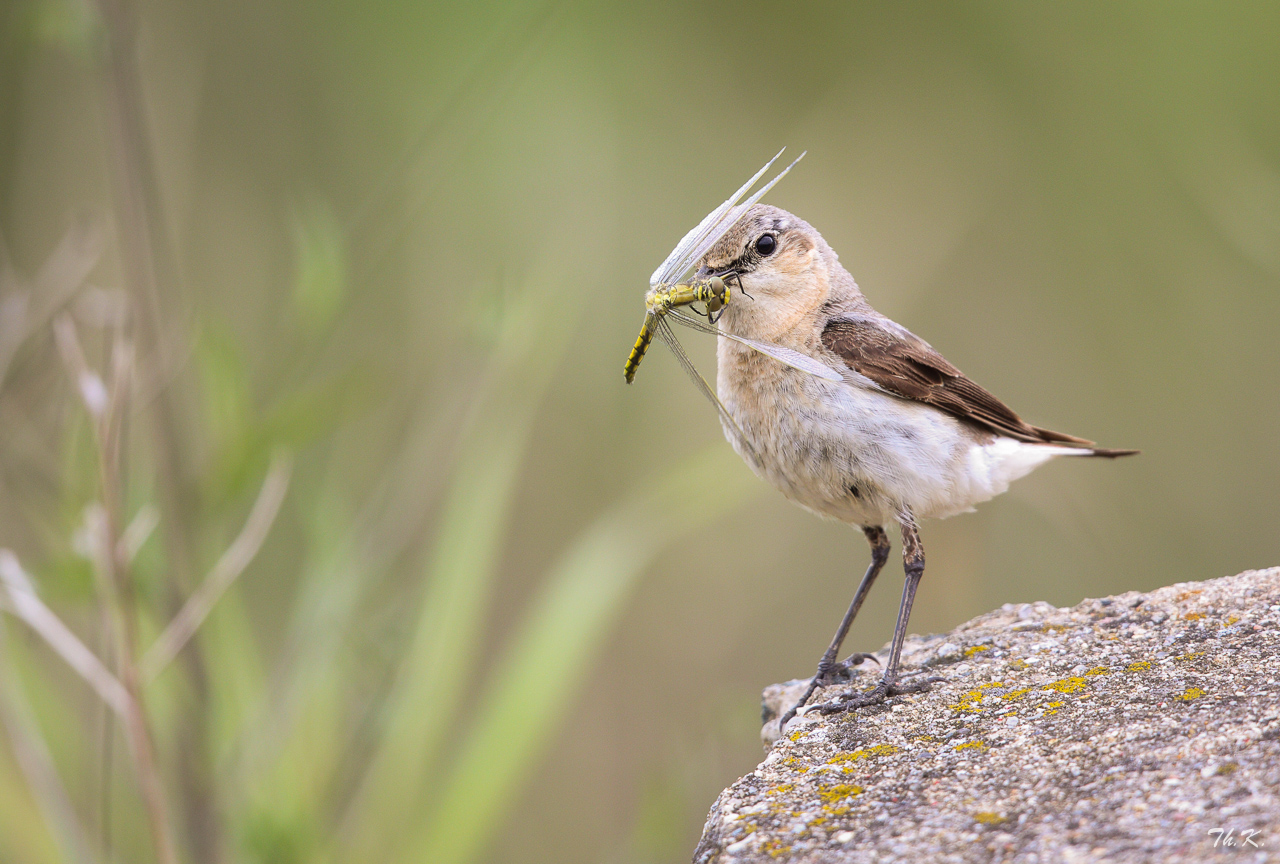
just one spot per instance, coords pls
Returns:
(712, 291)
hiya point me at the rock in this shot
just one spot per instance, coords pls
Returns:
(1142, 727)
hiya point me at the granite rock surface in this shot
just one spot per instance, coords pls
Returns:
(1141, 727)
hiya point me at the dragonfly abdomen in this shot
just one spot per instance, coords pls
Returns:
(641, 346)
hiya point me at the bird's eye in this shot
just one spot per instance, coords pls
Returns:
(766, 244)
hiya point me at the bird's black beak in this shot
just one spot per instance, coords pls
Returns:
(726, 273)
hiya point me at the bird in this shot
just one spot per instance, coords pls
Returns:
(898, 435)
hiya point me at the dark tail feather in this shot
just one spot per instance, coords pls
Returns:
(1050, 437)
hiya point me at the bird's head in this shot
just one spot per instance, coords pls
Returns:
(778, 268)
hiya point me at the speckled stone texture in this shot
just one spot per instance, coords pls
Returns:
(1143, 727)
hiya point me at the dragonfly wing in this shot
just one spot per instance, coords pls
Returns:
(734, 216)
(672, 267)
(713, 226)
(730, 425)
(790, 357)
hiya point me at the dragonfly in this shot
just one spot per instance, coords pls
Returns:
(674, 287)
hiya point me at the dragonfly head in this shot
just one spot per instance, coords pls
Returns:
(718, 294)
(719, 281)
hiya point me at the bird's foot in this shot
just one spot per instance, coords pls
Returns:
(838, 673)
(874, 696)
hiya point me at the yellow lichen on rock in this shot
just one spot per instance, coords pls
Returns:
(971, 701)
(1067, 685)
(863, 753)
(838, 792)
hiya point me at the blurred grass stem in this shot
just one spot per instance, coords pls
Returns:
(150, 273)
(26, 605)
(36, 762)
(110, 413)
(224, 573)
(551, 652)
(433, 679)
(23, 312)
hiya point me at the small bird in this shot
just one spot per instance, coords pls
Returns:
(898, 435)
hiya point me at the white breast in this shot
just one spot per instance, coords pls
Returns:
(856, 454)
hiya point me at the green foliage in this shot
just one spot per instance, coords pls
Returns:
(320, 266)
(551, 652)
(227, 399)
(70, 25)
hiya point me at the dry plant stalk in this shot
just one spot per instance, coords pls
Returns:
(232, 563)
(109, 405)
(24, 604)
(112, 548)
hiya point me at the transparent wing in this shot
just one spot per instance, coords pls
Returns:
(664, 330)
(710, 222)
(733, 217)
(791, 358)
(714, 225)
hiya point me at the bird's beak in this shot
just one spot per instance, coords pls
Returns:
(725, 273)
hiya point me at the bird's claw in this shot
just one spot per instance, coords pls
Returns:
(842, 672)
(857, 660)
(874, 696)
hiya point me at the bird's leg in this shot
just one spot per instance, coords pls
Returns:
(913, 565)
(879, 554)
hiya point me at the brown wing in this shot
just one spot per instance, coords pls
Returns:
(907, 366)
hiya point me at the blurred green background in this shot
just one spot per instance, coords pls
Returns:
(512, 609)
